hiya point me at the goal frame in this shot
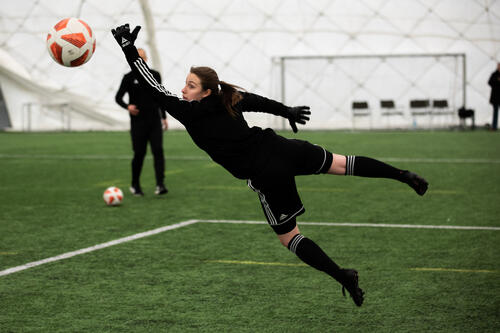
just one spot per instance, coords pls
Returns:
(282, 60)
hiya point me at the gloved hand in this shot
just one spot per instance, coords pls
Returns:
(123, 35)
(298, 114)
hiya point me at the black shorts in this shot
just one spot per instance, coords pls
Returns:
(276, 184)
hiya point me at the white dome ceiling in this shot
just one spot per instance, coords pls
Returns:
(240, 38)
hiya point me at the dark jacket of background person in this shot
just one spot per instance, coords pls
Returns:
(494, 82)
(138, 95)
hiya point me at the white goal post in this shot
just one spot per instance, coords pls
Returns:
(346, 91)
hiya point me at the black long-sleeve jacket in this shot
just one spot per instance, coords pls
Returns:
(494, 83)
(228, 140)
(139, 96)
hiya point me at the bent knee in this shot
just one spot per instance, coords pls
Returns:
(286, 238)
(338, 166)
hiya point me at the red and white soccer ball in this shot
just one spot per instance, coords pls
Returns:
(71, 42)
(113, 196)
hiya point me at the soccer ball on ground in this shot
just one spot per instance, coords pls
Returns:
(113, 196)
(71, 42)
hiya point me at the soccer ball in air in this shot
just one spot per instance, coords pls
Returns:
(113, 196)
(71, 42)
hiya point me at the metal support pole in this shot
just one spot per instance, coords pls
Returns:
(68, 116)
(464, 79)
(63, 120)
(29, 117)
(151, 35)
(282, 66)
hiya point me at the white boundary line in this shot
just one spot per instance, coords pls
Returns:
(98, 157)
(96, 247)
(441, 160)
(202, 158)
(369, 225)
(189, 222)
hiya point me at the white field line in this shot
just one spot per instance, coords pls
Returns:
(370, 225)
(202, 158)
(441, 160)
(97, 157)
(189, 222)
(96, 247)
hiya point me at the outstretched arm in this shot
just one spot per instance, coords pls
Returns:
(253, 102)
(178, 108)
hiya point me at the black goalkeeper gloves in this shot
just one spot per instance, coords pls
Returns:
(123, 35)
(298, 114)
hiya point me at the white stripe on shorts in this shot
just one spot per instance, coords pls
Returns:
(324, 160)
(267, 210)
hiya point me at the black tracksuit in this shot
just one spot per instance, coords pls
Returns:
(494, 83)
(268, 161)
(145, 126)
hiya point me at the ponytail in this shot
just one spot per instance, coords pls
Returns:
(229, 93)
(230, 96)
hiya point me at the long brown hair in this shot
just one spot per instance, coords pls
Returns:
(229, 93)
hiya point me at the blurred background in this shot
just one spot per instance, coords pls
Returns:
(374, 64)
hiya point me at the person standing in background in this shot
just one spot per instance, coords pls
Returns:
(494, 83)
(147, 122)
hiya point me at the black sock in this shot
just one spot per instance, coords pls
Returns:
(313, 255)
(369, 167)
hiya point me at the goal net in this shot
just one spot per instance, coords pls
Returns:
(331, 85)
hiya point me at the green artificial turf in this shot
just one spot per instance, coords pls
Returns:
(214, 277)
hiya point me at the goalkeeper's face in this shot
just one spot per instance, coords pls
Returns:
(193, 90)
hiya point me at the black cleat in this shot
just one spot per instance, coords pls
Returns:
(415, 181)
(136, 190)
(161, 189)
(350, 282)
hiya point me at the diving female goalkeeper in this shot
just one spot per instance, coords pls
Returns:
(212, 112)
